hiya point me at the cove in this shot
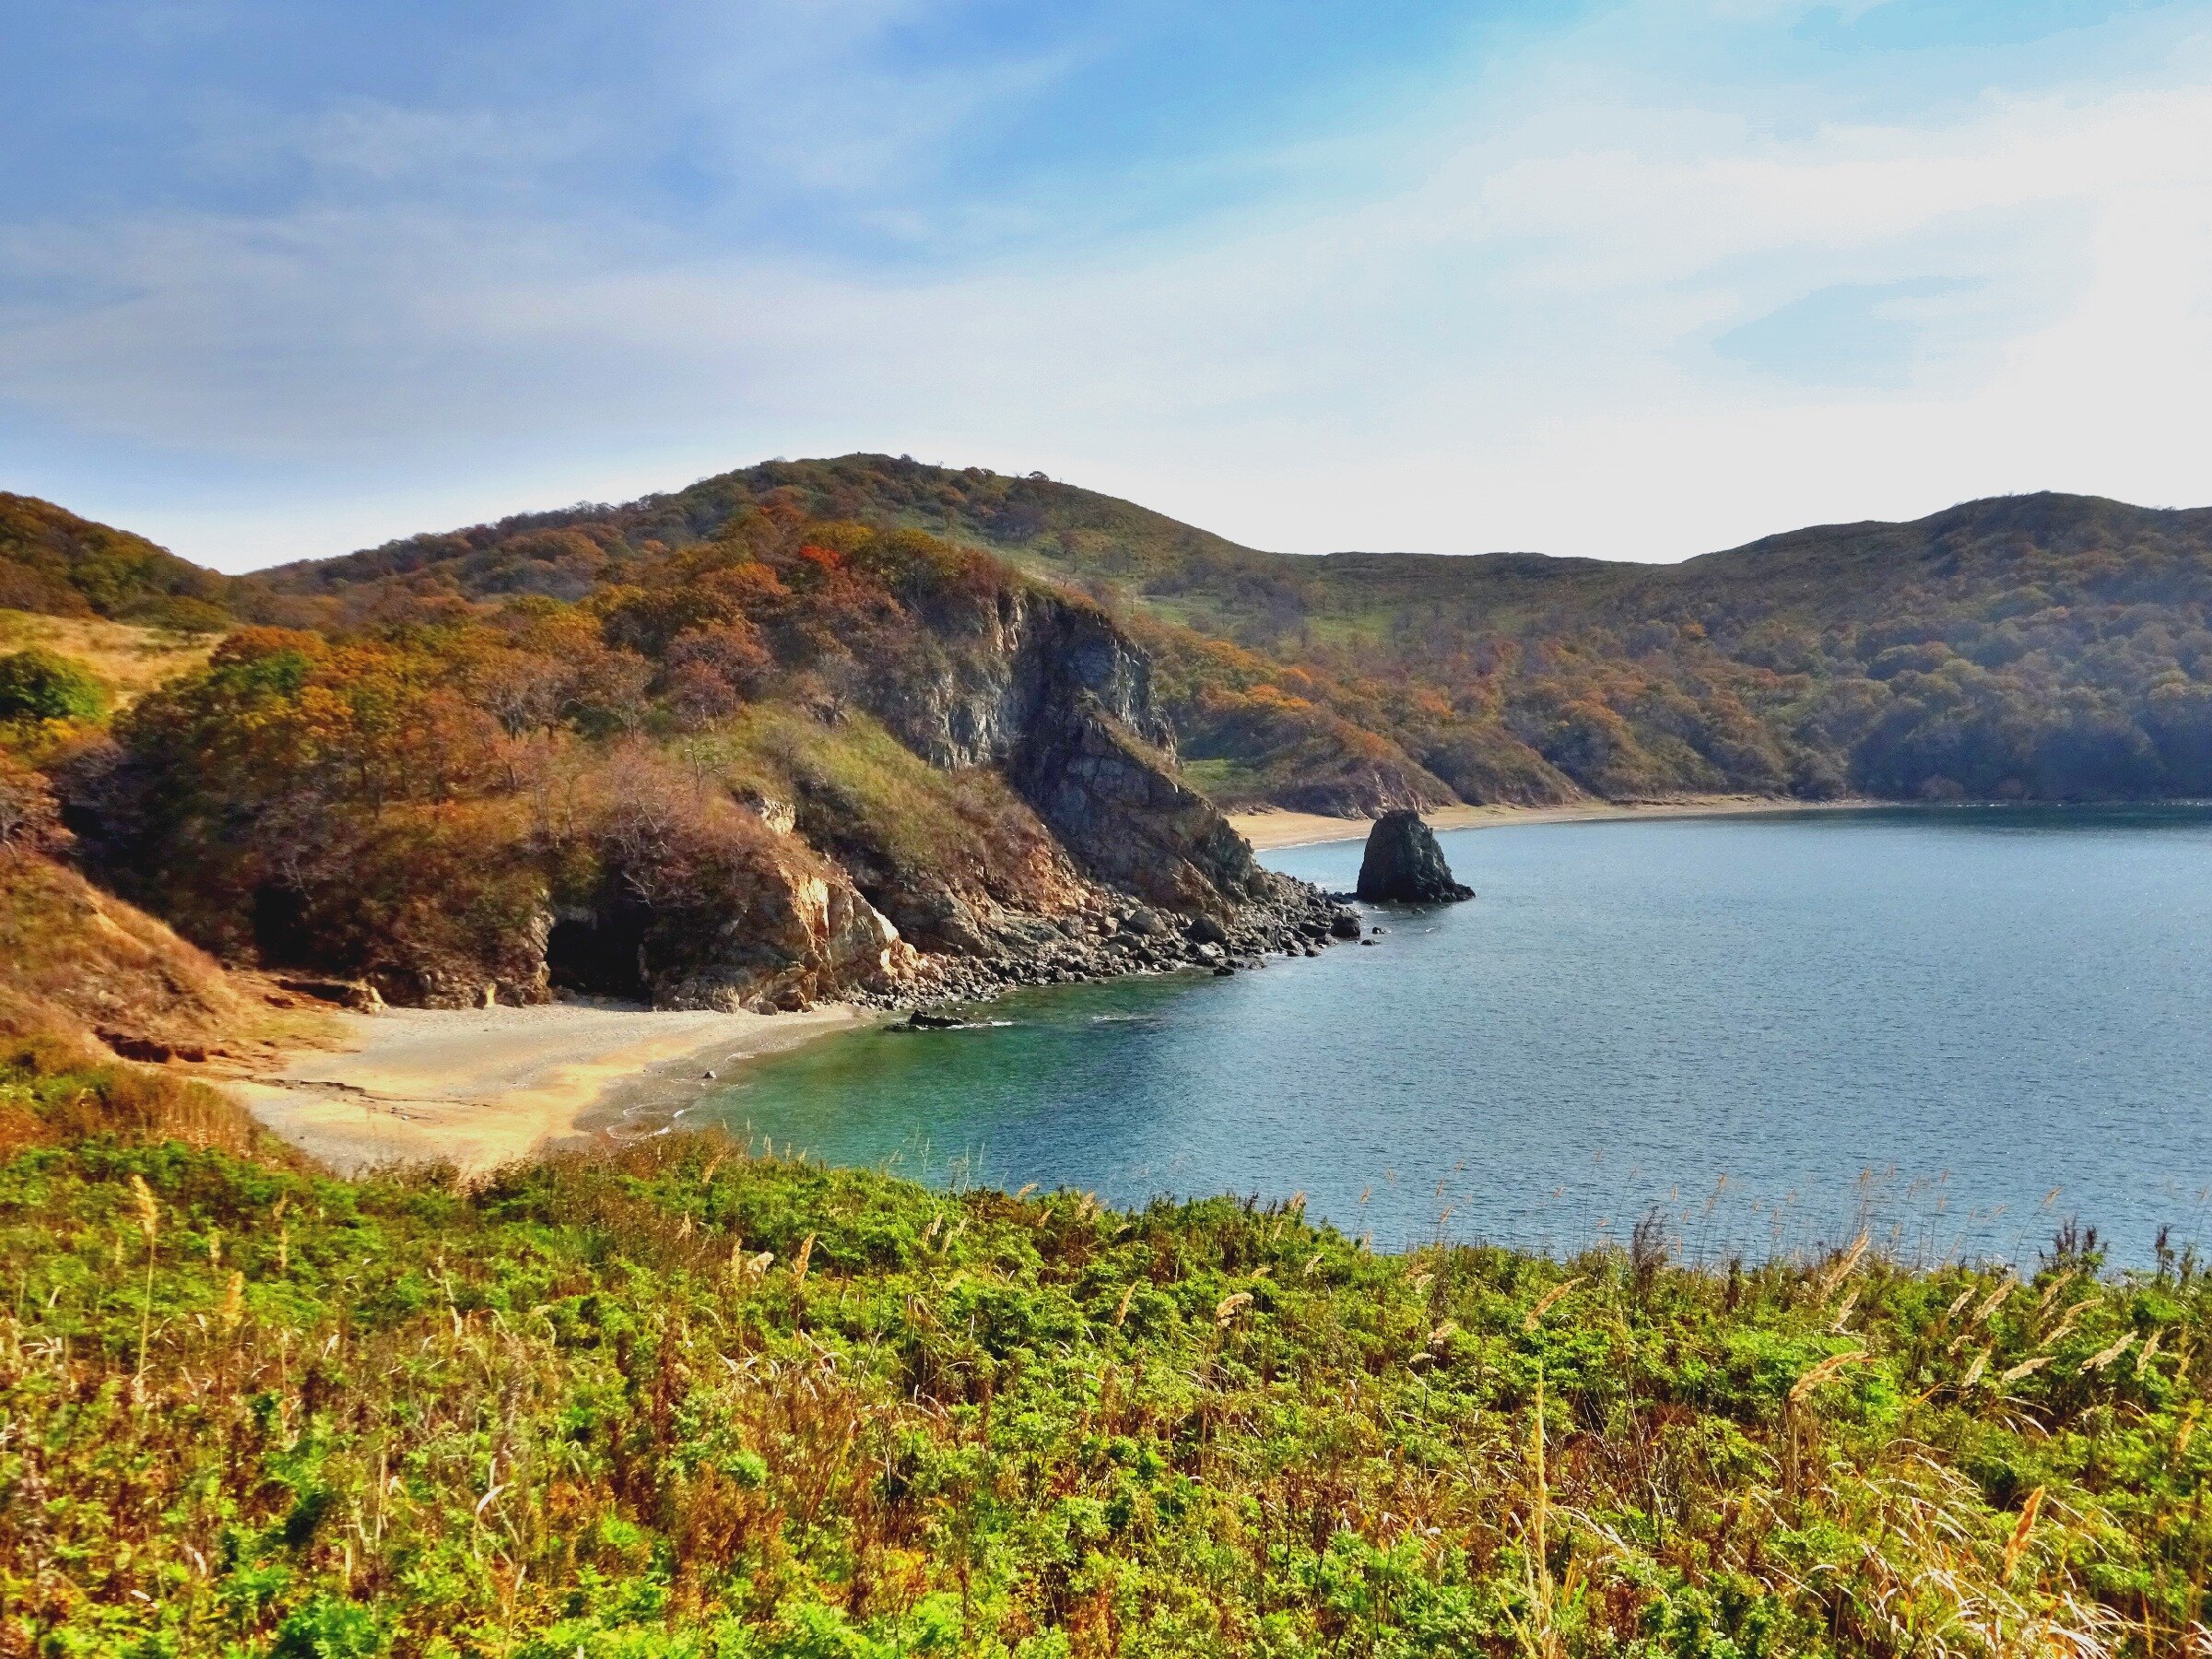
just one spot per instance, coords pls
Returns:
(1958, 1027)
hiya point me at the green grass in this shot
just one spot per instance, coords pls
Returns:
(690, 1401)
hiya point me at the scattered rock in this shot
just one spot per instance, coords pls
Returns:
(356, 994)
(1142, 923)
(922, 1019)
(1404, 866)
(1344, 925)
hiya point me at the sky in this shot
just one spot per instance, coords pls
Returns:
(1629, 280)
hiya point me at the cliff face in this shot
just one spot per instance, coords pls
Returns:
(1131, 870)
(1011, 663)
(1052, 692)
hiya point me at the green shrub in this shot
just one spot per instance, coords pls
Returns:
(39, 685)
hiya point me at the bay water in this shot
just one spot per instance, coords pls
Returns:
(1958, 1026)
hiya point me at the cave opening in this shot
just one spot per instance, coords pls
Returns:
(601, 952)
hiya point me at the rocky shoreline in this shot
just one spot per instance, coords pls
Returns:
(1114, 934)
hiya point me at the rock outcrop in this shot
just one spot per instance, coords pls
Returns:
(1046, 687)
(1404, 866)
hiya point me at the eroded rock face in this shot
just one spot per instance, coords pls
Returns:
(1050, 690)
(1012, 664)
(795, 938)
(1404, 866)
(1114, 803)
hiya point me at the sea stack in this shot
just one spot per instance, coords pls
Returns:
(1404, 866)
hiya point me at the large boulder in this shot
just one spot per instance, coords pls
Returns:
(1404, 866)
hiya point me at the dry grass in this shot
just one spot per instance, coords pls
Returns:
(131, 659)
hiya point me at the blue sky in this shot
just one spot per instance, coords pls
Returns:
(1632, 280)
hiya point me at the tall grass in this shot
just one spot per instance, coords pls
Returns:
(687, 1400)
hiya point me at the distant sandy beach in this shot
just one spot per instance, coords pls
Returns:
(1266, 829)
(482, 1087)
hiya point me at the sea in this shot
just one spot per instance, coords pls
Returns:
(1957, 1028)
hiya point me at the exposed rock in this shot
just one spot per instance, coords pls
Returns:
(1404, 866)
(1344, 926)
(783, 816)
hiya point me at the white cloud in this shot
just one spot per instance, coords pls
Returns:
(1504, 340)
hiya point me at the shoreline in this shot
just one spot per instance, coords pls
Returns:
(483, 1087)
(1276, 828)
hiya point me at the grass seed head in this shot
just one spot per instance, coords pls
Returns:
(149, 1213)
(2104, 1356)
(1801, 1389)
(2020, 1532)
(1545, 1303)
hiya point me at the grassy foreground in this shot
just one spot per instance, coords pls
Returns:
(690, 1401)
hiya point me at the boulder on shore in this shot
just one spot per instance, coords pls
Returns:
(1404, 864)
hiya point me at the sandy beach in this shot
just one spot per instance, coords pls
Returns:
(1274, 828)
(483, 1087)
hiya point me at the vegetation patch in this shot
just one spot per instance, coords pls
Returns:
(693, 1400)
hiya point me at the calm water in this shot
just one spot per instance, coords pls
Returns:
(1773, 1027)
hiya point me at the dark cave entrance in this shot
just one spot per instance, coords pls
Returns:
(601, 952)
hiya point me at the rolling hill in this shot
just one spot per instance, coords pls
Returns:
(2038, 647)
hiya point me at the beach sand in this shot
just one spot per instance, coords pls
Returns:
(1271, 828)
(482, 1087)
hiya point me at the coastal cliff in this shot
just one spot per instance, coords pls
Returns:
(784, 762)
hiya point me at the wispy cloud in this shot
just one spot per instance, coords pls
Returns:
(1592, 287)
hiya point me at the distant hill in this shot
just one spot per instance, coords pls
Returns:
(54, 563)
(2034, 647)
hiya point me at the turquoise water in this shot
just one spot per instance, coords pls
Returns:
(1775, 1027)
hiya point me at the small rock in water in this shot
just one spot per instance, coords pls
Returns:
(707, 1076)
(1404, 866)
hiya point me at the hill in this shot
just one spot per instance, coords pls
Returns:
(787, 759)
(866, 728)
(2041, 647)
(53, 562)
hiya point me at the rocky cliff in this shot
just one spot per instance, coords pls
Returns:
(787, 761)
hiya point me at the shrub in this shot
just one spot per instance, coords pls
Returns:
(39, 685)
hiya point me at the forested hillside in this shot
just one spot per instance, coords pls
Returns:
(787, 759)
(803, 730)
(54, 562)
(2043, 647)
